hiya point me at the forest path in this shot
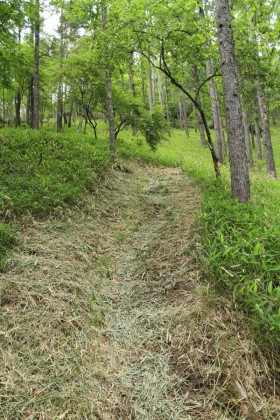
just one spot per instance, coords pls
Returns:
(106, 313)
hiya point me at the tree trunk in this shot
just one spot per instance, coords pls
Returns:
(36, 93)
(268, 150)
(183, 114)
(152, 96)
(258, 139)
(29, 106)
(215, 111)
(109, 95)
(17, 109)
(59, 125)
(132, 88)
(240, 182)
(200, 121)
(70, 114)
(247, 136)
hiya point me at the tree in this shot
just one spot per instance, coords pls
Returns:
(240, 182)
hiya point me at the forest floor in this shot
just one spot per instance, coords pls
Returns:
(107, 313)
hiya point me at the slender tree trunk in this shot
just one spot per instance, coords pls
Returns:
(240, 182)
(258, 139)
(152, 96)
(268, 150)
(183, 114)
(200, 121)
(36, 90)
(17, 109)
(143, 83)
(247, 136)
(59, 125)
(70, 114)
(215, 112)
(132, 88)
(110, 107)
(30, 102)
(167, 112)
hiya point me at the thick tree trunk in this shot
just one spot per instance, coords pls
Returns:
(240, 182)
(36, 91)
(268, 150)
(109, 95)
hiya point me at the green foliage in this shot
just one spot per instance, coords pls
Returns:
(43, 170)
(153, 127)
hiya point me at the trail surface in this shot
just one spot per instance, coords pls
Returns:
(107, 313)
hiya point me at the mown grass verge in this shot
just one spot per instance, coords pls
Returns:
(241, 241)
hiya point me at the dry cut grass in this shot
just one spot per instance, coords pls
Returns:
(106, 313)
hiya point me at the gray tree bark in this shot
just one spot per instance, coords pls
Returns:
(268, 150)
(240, 182)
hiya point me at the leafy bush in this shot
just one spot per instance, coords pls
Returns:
(153, 127)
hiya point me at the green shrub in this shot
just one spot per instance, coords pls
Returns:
(153, 127)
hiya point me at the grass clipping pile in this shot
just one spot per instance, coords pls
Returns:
(106, 314)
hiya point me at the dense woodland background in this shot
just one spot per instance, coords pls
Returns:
(161, 82)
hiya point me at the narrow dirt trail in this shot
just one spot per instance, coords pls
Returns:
(106, 313)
